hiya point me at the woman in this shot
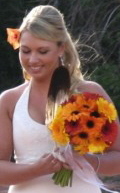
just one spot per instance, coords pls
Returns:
(44, 42)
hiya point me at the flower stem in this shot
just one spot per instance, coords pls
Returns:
(63, 177)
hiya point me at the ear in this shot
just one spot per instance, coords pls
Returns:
(61, 49)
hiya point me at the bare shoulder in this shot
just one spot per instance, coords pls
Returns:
(94, 87)
(11, 94)
(9, 98)
(90, 86)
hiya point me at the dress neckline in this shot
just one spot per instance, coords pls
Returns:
(27, 102)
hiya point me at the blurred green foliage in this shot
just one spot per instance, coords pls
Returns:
(108, 76)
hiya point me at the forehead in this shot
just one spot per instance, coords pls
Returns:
(27, 39)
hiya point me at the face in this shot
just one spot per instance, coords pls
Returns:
(39, 57)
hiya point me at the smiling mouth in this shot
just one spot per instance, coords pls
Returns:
(36, 67)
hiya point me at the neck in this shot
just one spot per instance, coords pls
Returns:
(40, 86)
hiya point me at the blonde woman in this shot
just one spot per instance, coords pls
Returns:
(44, 46)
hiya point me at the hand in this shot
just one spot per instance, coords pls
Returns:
(59, 154)
(67, 166)
(48, 164)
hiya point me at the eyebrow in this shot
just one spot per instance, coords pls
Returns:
(45, 47)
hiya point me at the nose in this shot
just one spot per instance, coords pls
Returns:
(33, 58)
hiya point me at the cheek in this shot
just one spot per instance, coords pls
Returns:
(52, 63)
(22, 58)
(53, 59)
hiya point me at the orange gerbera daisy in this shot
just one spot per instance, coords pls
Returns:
(86, 105)
(96, 114)
(107, 109)
(79, 138)
(13, 37)
(72, 127)
(91, 124)
(80, 142)
(71, 112)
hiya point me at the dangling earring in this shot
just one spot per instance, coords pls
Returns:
(61, 62)
(60, 80)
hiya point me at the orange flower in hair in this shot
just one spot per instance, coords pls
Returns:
(13, 37)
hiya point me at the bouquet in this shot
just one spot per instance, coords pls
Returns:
(86, 122)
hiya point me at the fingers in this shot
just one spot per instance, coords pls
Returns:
(57, 165)
(51, 157)
(48, 156)
(54, 163)
(66, 166)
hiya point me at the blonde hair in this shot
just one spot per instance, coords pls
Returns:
(46, 22)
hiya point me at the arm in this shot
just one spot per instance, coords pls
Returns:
(12, 173)
(109, 163)
(110, 160)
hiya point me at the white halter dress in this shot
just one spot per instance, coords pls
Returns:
(31, 141)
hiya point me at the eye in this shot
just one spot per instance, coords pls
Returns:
(43, 51)
(25, 51)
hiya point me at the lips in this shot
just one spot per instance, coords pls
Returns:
(36, 69)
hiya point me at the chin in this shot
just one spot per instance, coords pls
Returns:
(40, 78)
